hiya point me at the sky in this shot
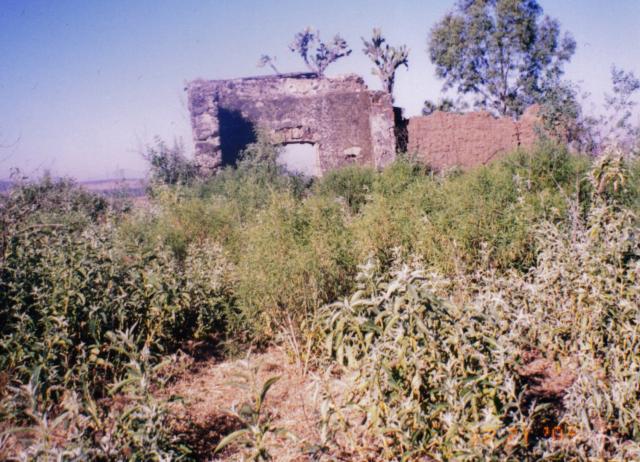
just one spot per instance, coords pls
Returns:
(85, 85)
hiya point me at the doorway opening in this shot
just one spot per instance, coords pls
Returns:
(300, 158)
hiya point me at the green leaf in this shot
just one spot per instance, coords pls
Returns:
(265, 389)
(230, 439)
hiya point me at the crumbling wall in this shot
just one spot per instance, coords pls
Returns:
(443, 139)
(348, 123)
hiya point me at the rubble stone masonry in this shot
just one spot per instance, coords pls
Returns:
(348, 123)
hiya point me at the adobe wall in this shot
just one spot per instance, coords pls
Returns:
(443, 139)
(348, 123)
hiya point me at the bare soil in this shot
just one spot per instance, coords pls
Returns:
(209, 394)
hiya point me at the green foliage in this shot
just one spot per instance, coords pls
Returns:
(415, 358)
(444, 105)
(66, 290)
(135, 429)
(296, 257)
(248, 186)
(552, 348)
(294, 248)
(168, 164)
(387, 59)
(461, 221)
(49, 202)
(540, 248)
(564, 118)
(499, 51)
(181, 218)
(317, 55)
(257, 427)
(61, 293)
(350, 184)
(616, 126)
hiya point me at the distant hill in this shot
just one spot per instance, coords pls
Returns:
(128, 187)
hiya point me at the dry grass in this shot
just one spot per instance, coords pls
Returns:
(208, 394)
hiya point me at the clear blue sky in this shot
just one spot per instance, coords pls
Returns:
(85, 84)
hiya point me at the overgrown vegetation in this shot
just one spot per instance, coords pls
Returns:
(527, 366)
(488, 314)
(474, 280)
(85, 317)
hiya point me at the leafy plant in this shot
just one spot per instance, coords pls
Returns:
(296, 257)
(317, 55)
(132, 425)
(444, 105)
(169, 165)
(387, 59)
(533, 365)
(353, 185)
(257, 424)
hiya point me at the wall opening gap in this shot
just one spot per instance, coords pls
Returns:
(300, 158)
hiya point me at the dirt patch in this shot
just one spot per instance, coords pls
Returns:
(545, 378)
(204, 417)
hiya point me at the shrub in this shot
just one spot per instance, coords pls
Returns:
(50, 202)
(60, 294)
(455, 220)
(169, 165)
(64, 287)
(296, 257)
(540, 253)
(248, 185)
(133, 427)
(69, 287)
(351, 184)
(179, 219)
(537, 365)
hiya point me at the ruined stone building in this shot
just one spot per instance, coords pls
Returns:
(342, 121)
(345, 122)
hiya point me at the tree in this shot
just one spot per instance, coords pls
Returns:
(499, 51)
(444, 105)
(316, 54)
(563, 117)
(387, 59)
(619, 106)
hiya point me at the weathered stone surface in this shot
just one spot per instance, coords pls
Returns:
(382, 122)
(444, 140)
(348, 122)
(206, 130)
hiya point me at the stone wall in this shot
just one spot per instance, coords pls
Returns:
(443, 140)
(348, 123)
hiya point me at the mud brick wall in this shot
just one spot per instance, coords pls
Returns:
(444, 140)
